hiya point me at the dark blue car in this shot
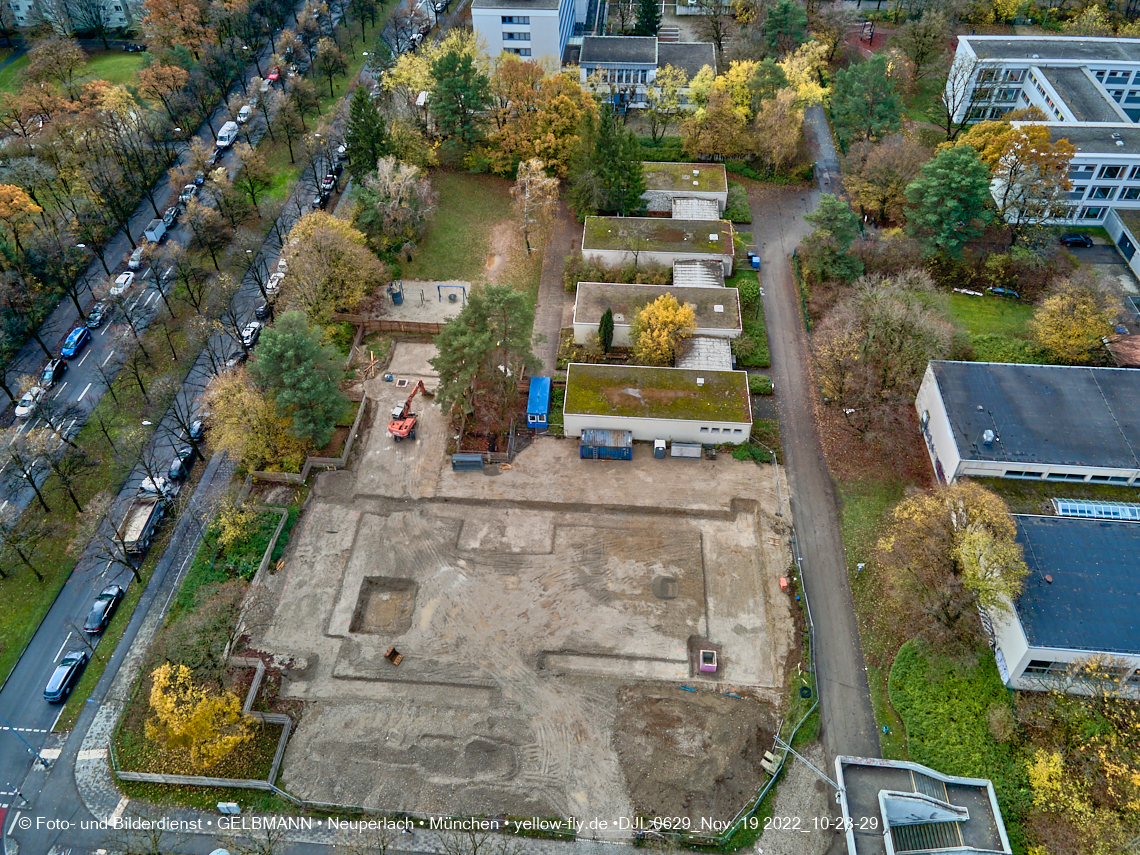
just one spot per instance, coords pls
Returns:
(75, 342)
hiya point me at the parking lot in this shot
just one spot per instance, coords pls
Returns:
(547, 616)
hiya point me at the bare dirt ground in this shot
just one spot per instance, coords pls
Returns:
(547, 618)
(505, 245)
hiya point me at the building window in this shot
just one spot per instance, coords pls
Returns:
(1015, 75)
(1040, 667)
(1117, 95)
(1102, 193)
(518, 51)
(1100, 76)
(737, 430)
(704, 430)
(716, 430)
(1078, 192)
(1064, 476)
(1109, 479)
(1092, 213)
(1007, 94)
(1081, 170)
(516, 37)
(1118, 76)
(1111, 171)
(515, 19)
(1130, 194)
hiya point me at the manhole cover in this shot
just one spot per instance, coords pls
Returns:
(665, 588)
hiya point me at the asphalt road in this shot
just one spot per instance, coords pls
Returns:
(848, 721)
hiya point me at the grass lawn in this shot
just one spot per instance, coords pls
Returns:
(459, 240)
(1033, 496)
(115, 66)
(918, 106)
(997, 328)
(9, 77)
(863, 505)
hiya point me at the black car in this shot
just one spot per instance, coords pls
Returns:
(96, 315)
(262, 311)
(180, 465)
(215, 156)
(320, 201)
(200, 178)
(65, 676)
(103, 609)
(235, 359)
(1076, 240)
(170, 217)
(52, 372)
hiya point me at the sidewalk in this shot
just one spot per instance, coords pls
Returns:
(565, 235)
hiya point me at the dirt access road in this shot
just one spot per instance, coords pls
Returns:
(845, 700)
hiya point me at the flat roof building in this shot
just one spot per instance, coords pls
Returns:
(698, 274)
(618, 241)
(895, 806)
(717, 311)
(1042, 422)
(1080, 599)
(628, 65)
(674, 404)
(666, 182)
(527, 28)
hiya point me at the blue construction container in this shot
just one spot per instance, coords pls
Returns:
(538, 405)
(600, 444)
(467, 462)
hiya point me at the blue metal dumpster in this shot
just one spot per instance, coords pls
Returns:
(600, 444)
(538, 404)
(467, 462)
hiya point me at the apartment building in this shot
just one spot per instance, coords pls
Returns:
(529, 28)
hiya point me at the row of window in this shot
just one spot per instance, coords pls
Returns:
(516, 37)
(1041, 668)
(1118, 78)
(1104, 194)
(1067, 476)
(518, 51)
(995, 75)
(726, 430)
(516, 19)
(620, 75)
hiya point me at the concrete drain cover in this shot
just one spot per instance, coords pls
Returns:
(665, 587)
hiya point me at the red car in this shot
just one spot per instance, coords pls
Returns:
(274, 74)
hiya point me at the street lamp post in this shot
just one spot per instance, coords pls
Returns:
(31, 750)
(776, 465)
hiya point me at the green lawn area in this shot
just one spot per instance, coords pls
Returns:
(459, 238)
(917, 108)
(996, 327)
(1033, 496)
(115, 66)
(863, 505)
(9, 81)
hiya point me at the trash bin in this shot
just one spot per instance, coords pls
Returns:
(397, 298)
(755, 262)
(659, 449)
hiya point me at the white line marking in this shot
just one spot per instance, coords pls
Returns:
(106, 327)
(12, 827)
(92, 754)
(153, 294)
(81, 394)
(3, 506)
(166, 275)
(51, 753)
(84, 359)
(61, 388)
(70, 425)
(105, 361)
(60, 651)
(118, 811)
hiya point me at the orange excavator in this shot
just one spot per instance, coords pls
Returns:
(403, 423)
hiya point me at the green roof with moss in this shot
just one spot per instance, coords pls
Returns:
(639, 391)
(679, 177)
(625, 301)
(657, 234)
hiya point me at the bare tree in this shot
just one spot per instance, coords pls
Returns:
(952, 112)
(24, 457)
(714, 22)
(21, 539)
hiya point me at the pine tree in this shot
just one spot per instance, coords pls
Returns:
(648, 18)
(366, 139)
(606, 331)
(461, 92)
(618, 159)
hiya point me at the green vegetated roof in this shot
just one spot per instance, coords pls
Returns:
(1131, 220)
(657, 234)
(679, 177)
(594, 298)
(638, 391)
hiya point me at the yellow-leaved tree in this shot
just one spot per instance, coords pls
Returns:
(659, 328)
(245, 422)
(331, 268)
(210, 724)
(1071, 321)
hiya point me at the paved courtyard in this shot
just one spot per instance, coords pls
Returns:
(547, 616)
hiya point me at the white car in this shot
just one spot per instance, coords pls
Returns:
(273, 286)
(27, 404)
(251, 333)
(244, 114)
(122, 282)
(188, 193)
(282, 265)
(136, 259)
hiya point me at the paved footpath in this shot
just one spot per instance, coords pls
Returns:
(565, 232)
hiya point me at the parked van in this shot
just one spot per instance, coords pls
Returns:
(227, 134)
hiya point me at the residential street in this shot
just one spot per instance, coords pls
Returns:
(845, 701)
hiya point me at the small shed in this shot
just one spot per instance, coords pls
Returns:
(538, 404)
(602, 444)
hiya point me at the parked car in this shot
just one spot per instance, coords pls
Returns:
(251, 333)
(96, 315)
(338, 169)
(133, 48)
(188, 193)
(235, 359)
(274, 74)
(264, 87)
(103, 609)
(27, 404)
(327, 183)
(52, 372)
(273, 286)
(122, 282)
(170, 216)
(65, 676)
(214, 157)
(200, 178)
(244, 114)
(136, 259)
(263, 310)
(1004, 292)
(75, 342)
(282, 265)
(196, 430)
(1076, 240)
(320, 201)
(180, 465)
(342, 153)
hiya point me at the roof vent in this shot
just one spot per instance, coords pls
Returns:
(1037, 56)
(988, 436)
(700, 381)
(1116, 136)
(714, 238)
(1120, 143)
(696, 172)
(718, 308)
(696, 184)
